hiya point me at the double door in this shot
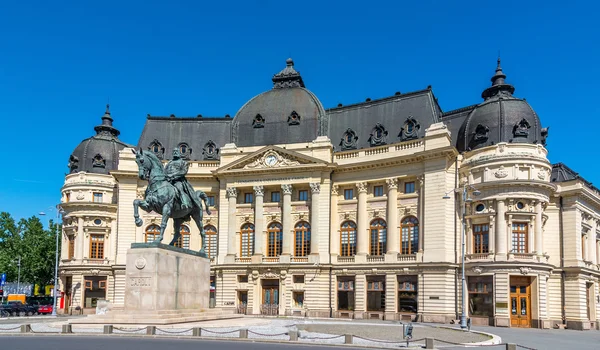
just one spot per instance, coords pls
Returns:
(520, 302)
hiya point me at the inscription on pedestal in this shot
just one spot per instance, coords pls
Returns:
(140, 281)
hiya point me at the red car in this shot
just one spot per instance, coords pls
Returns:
(45, 309)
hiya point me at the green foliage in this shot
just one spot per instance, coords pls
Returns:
(33, 244)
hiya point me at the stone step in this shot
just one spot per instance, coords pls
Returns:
(150, 318)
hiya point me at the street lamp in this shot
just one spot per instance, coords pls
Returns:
(465, 199)
(55, 288)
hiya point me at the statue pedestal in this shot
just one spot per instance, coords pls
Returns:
(163, 285)
(163, 277)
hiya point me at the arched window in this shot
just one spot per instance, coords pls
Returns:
(378, 237)
(184, 239)
(409, 242)
(275, 239)
(348, 238)
(211, 241)
(247, 240)
(302, 239)
(152, 232)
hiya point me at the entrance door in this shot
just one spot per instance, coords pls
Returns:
(270, 297)
(520, 302)
(589, 300)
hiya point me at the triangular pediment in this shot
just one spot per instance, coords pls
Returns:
(271, 158)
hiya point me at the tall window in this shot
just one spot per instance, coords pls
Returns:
(409, 243)
(303, 195)
(481, 295)
(378, 237)
(584, 233)
(348, 238)
(302, 239)
(211, 201)
(152, 233)
(378, 191)
(184, 239)
(211, 241)
(275, 239)
(409, 187)
(345, 287)
(407, 294)
(96, 246)
(275, 197)
(481, 237)
(348, 193)
(97, 197)
(71, 252)
(248, 197)
(375, 293)
(519, 237)
(247, 240)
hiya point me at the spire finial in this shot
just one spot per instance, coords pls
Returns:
(498, 83)
(107, 108)
(288, 77)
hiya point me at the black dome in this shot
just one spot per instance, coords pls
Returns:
(289, 113)
(501, 117)
(99, 153)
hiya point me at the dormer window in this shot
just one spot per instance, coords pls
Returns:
(521, 129)
(258, 122)
(378, 135)
(294, 119)
(157, 148)
(349, 140)
(98, 161)
(185, 150)
(410, 129)
(210, 151)
(73, 164)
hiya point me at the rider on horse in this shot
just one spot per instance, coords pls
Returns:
(175, 172)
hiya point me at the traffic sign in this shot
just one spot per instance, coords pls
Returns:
(2, 279)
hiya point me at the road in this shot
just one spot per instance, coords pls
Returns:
(125, 343)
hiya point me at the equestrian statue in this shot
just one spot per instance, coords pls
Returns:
(169, 193)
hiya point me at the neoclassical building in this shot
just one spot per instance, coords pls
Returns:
(354, 211)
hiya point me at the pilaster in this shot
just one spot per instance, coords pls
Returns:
(286, 217)
(259, 226)
(501, 237)
(334, 230)
(315, 188)
(393, 236)
(362, 244)
(231, 223)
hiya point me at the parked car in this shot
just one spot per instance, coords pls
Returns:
(45, 309)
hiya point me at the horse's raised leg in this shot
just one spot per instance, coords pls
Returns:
(176, 231)
(137, 203)
(197, 216)
(166, 213)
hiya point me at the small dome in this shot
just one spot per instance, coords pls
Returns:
(100, 153)
(501, 117)
(289, 113)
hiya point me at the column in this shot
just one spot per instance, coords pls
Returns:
(501, 230)
(286, 218)
(362, 244)
(231, 223)
(315, 188)
(334, 242)
(539, 233)
(80, 239)
(259, 229)
(592, 243)
(393, 236)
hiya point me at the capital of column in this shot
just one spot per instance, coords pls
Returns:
(315, 187)
(286, 188)
(335, 189)
(392, 184)
(362, 187)
(259, 191)
(231, 192)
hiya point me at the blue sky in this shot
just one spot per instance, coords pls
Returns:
(61, 61)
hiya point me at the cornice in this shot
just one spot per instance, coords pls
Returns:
(398, 160)
(70, 206)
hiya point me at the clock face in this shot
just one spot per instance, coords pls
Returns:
(271, 160)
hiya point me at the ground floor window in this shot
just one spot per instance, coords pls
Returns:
(213, 291)
(376, 293)
(95, 289)
(345, 293)
(407, 294)
(481, 295)
(298, 299)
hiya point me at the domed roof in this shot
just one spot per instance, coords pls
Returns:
(100, 153)
(289, 113)
(501, 117)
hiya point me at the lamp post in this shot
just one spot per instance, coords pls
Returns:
(465, 199)
(54, 292)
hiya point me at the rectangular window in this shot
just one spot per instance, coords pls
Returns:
(407, 294)
(481, 295)
(481, 237)
(409, 187)
(583, 247)
(97, 197)
(519, 237)
(375, 294)
(298, 278)
(345, 293)
(96, 246)
(243, 278)
(303, 195)
(348, 193)
(211, 201)
(275, 197)
(378, 191)
(71, 252)
(248, 197)
(298, 299)
(95, 289)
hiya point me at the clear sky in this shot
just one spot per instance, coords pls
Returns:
(60, 61)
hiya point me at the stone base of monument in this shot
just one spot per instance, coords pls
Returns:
(164, 285)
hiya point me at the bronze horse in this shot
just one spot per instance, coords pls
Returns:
(163, 198)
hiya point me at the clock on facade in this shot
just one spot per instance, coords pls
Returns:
(271, 160)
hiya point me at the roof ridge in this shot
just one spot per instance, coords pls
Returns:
(408, 94)
(458, 110)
